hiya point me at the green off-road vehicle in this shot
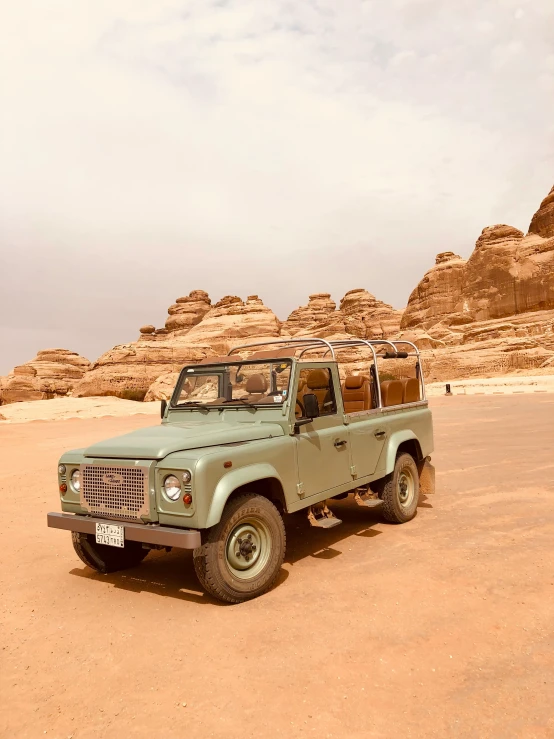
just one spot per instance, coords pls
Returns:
(246, 439)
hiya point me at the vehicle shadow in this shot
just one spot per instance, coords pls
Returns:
(172, 574)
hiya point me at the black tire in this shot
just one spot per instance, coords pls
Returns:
(241, 556)
(403, 483)
(103, 558)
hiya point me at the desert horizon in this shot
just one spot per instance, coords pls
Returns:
(491, 314)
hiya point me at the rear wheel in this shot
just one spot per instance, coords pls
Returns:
(242, 555)
(103, 558)
(400, 491)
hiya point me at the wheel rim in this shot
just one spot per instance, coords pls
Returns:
(248, 548)
(406, 488)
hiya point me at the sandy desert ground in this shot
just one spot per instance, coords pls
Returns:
(443, 627)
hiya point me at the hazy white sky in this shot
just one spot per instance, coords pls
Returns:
(149, 147)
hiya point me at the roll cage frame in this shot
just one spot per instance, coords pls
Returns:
(309, 344)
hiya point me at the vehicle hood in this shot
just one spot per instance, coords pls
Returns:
(156, 442)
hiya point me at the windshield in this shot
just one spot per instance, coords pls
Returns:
(234, 385)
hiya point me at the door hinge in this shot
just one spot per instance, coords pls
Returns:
(353, 471)
(300, 489)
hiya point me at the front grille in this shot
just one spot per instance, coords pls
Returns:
(115, 492)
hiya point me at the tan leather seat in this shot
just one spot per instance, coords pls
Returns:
(410, 390)
(391, 393)
(256, 388)
(318, 384)
(356, 394)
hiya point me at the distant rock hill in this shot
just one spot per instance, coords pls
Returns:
(490, 314)
(51, 374)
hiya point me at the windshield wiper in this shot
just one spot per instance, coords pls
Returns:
(194, 404)
(242, 400)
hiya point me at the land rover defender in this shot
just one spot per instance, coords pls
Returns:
(271, 429)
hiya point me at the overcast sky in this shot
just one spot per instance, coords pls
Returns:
(149, 148)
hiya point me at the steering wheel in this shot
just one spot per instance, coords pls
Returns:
(301, 407)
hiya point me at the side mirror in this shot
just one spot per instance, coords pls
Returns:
(311, 405)
(163, 408)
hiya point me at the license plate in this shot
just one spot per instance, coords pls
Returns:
(111, 534)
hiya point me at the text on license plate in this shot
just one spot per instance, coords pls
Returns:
(111, 534)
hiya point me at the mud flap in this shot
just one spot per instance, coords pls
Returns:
(427, 477)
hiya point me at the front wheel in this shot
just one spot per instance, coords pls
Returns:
(242, 555)
(400, 491)
(103, 558)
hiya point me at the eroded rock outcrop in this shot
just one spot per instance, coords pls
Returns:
(507, 274)
(130, 370)
(367, 317)
(318, 318)
(232, 319)
(187, 312)
(439, 295)
(52, 373)
(542, 223)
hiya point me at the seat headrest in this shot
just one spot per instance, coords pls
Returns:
(318, 379)
(354, 382)
(256, 384)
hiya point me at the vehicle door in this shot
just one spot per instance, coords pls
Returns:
(368, 433)
(322, 445)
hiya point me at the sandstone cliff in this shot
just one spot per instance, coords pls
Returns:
(508, 274)
(494, 312)
(52, 373)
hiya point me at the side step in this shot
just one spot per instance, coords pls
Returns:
(363, 500)
(321, 517)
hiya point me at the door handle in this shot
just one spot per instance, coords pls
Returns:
(340, 442)
(380, 434)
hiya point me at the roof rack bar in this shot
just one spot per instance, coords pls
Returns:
(299, 342)
(418, 355)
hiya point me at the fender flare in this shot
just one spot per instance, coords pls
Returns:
(233, 480)
(397, 438)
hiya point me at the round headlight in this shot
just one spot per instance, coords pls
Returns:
(61, 469)
(76, 480)
(172, 487)
(187, 477)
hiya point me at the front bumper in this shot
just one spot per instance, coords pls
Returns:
(164, 536)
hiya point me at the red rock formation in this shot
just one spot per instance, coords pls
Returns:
(368, 318)
(52, 373)
(128, 370)
(439, 295)
(232, 319)
(318, 318)
(507, 274)
(542, 223)
(188, 312)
